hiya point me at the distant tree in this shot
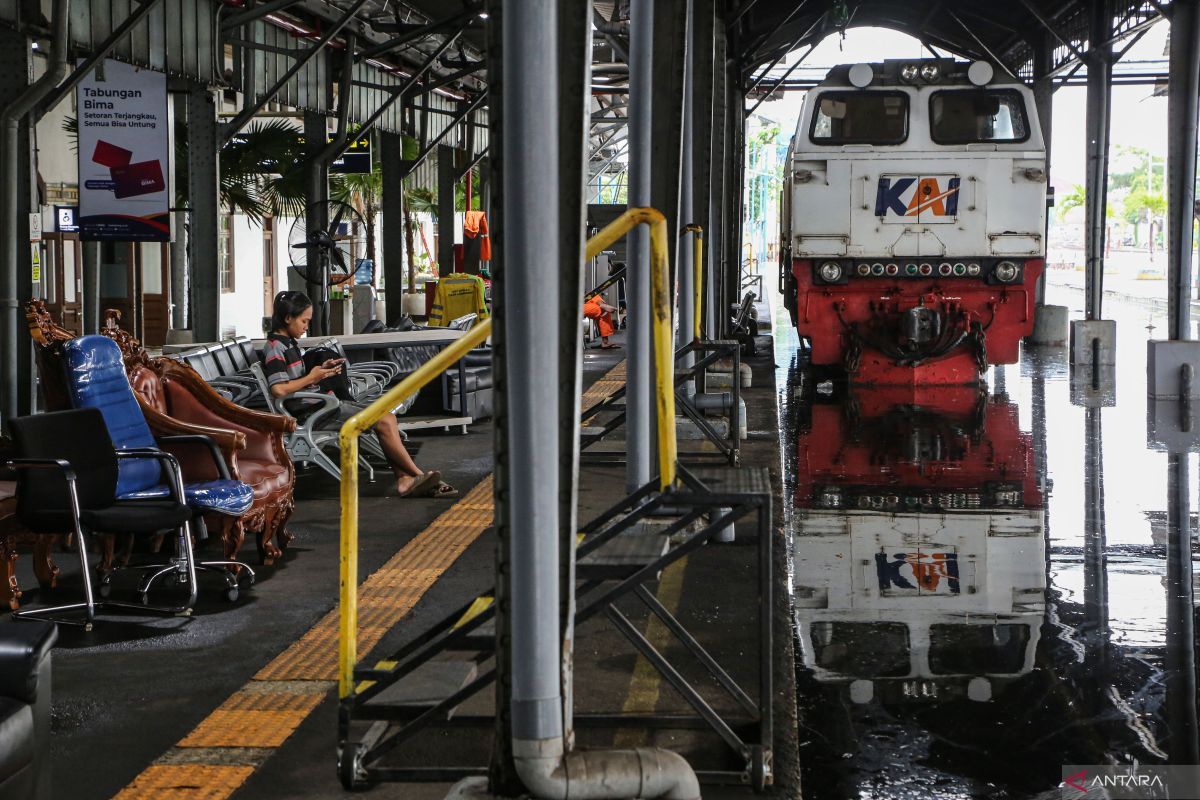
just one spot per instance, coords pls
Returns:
(1072, 200)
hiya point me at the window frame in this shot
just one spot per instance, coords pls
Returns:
(225, 255)
(981, 90)
(812, 123)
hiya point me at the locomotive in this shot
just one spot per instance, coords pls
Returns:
(913, 221)
(919, 541)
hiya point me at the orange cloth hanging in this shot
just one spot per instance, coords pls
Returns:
(475, 224)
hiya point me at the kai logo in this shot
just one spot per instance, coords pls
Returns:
(930, 198)
(917, 572)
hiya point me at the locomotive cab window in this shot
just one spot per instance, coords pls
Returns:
(860, 118)
(969, 116)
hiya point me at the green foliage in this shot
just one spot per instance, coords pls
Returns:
(764, 186)
(1072, 200)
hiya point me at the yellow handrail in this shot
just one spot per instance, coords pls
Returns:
(363, 420)
(348, 440)
(698, 274)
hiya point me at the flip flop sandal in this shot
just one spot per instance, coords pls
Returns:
(443, 490)
(421, 486)
(610, 347)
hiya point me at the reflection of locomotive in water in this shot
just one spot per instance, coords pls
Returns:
(913, 220)
(919, 550)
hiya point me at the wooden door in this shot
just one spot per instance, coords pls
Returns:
(117, 287)
(153, 290)
(64, 290)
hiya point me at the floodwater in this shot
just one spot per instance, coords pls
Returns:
(991, 583)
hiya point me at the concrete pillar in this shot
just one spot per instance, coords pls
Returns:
(204, 201)
(180, 287)
(91, 283)
(395, 272)
(1051, 323)
(16, 285)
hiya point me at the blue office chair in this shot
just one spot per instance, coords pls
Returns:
(95, 376)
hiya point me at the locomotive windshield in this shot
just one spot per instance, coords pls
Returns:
(967, 116)
(860, 118)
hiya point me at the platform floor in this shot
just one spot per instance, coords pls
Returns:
(238, 701)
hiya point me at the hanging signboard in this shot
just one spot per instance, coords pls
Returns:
(124, 155)
(356, 159)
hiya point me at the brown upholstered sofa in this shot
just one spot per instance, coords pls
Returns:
(176, 400)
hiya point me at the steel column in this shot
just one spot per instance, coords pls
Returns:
(316, 215)
(639, 365)
(391, 157)
(703, 47)
(684, 275)
(1099, 101)
(204, 180)
(15, 68)
(531, 195)
(716, 209)
(1183, 739)
(502, 774)
(447, 174)
(1043, 98)
(91, 282)
(1183, 91)
(1095, 560)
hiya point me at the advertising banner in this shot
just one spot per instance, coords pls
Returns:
(124, 155)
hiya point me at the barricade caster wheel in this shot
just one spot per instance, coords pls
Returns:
(351, 772)
(760, 768)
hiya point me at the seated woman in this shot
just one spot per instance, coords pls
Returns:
(286, 373)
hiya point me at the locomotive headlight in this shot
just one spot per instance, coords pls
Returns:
(909, 72)
(1006, 272)
(973, 270)
(831, 272)
(931, 73)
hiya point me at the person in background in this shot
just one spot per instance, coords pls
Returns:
(601, 312)
(286, 374)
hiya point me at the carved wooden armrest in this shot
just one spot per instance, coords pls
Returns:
(229, 442)
(210, 399)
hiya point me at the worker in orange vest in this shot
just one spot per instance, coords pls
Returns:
(601, 312)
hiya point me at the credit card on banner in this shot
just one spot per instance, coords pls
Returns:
(145, 177)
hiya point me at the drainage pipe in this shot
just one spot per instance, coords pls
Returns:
(10, 128)
(531, 197)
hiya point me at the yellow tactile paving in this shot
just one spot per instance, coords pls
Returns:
(186, 782)
(259, 716)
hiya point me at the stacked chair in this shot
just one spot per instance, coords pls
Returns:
(170, 399)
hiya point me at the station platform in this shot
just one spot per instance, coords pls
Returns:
(240, 699)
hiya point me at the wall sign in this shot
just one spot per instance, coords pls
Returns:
(66, 219)
(124, 155)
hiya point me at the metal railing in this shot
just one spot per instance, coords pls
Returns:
(361, 422)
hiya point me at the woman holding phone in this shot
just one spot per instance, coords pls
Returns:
(286, 373)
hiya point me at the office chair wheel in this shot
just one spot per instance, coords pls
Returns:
(231, 594)
(350, 766)
(104, 589)
(145, 598)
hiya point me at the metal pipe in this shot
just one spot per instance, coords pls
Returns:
(638, 380)
(11, 343)
(1182, 108)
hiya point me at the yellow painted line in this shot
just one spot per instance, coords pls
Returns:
(645, 684)
(186, 782)
(261, 715)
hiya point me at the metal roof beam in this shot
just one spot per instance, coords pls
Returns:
(420, 33)
(250, 109)
(1045, 22)
(251, 14)
(101, 52)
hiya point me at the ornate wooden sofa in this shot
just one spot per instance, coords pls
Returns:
(176, 400)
